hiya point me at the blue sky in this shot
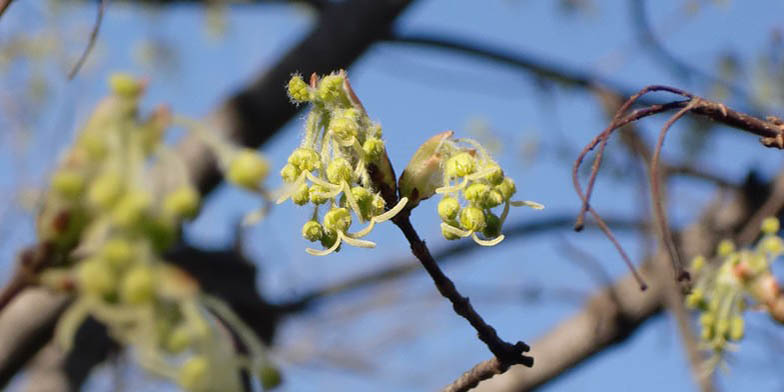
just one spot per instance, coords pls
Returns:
(405, 337)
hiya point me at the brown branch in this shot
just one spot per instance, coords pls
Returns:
(4, 5)
(91, 40)
(770, 130)
(506, 354)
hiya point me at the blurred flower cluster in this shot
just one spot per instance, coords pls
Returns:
(338, 166)
(114, 205)
(734, 281)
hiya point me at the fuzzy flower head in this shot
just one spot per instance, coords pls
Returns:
(726, 287)
(340, 167)
(472, 186)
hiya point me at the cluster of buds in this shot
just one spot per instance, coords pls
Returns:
(725, 289)
(111, 222)
(471, 183)
(340, 166)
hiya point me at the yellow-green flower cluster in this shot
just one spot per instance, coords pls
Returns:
(725, 288)
(473, 185)
(110, 221)
(331, 169)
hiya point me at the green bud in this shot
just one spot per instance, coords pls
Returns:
(345, 128)
(138, 285)
(772, 244)
(96, 278)
(182, 202)
(125, 85)
(317, 193)
(492, 226)
(270, 377)
(305, 159)
(330, 89)
(448, 235)
(301, 196)
(695, 299)
(494, 199)
(337, 219)
(131, 208)
(329, 238)
(68, 183)
(461, 165)
(339, 170)
(194, 374)
(105, 190)
(448, 208)
(476, 193)
(373, 148)
(424, 173)
(298, 89)
(247, 169)
(507, 188)
(706, 333)
(707, 319)
(312, 231)
(737, 327)
(496, 176)
(179, 339)
(770, 225)
(118, 252)
(289, 173)
(472, 219)
(377, 204)
(725, 248)
(698, 263)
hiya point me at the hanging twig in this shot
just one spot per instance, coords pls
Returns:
(90, 42)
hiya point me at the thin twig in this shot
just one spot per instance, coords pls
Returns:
(4, 5)
(470, 379)
(90, 42)
(657, 198)
(770, 130)
(506, 353)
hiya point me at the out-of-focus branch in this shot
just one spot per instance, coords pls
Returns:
(90, 41)
(4, 6)
(342, 33)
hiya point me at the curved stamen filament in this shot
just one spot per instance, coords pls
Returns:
(325, 252)
(454, 230)
(453, 188)
(494, 241)
(528, 203)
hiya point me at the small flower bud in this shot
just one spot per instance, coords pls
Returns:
(476, 193)
(68, 183)
(247, 169)
(496, 176)
(194, 374)
(312, 231)
(330, 89)
(270, 377)
(707, 332)
(770, 225)
(105, 190)
(339, 170)
(698, 263)
(448, 235)
(118, 252)
(289, 173)
(179, 339)
(448, 208)
(494, 199)
(125, 85)
(305, 159)
(182, 202)
(772, 244)
(695, 299)
(472, 219)
(707, 319)
(337, 219)
(507, 188)
(94, 143)
(131, 208)
(492, 226)
(344, 127)
(736, 328)
(461, 165)
(298, 89)
(316, 193)
(722, 327)
(96, 278)
(373, 148)
(301, 196)
(725, 248)
(138, 286)
(329, 238)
